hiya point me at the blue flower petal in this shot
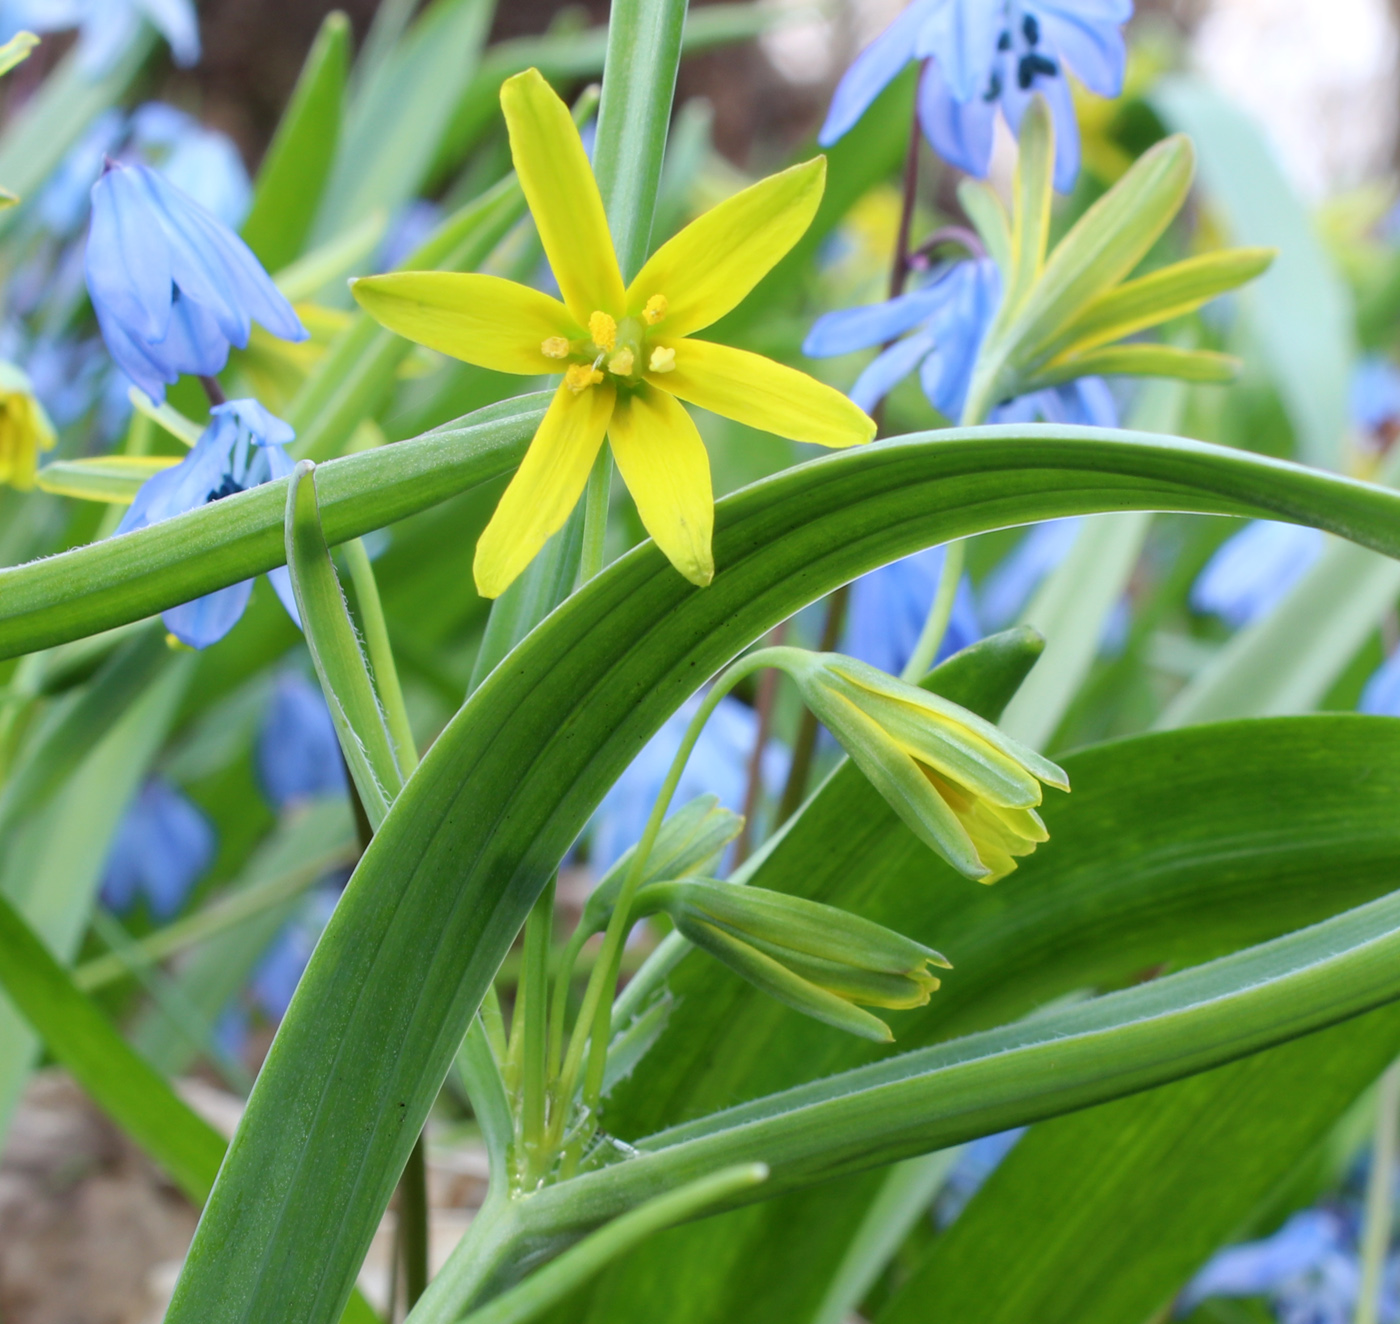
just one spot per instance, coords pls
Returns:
(1008, 588)
(960, 132)
(208, 619)
(297, 755)
(1254, 570)
(1381, 696)
(850, 329)
(1260, 1267)
(887, 370)
(961, 36)
(873, 70)
(1089, 38)
(127, 261)
(162, 847)
(1375, 392)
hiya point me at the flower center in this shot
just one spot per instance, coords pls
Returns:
(617, 350)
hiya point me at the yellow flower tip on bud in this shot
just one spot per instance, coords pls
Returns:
(554, 347)
(964, 788)
(655, 309)
(177, 645)
(581, 376)
(825, 962)
(662, 359)
(25, 429)
(603, 330)
(621, 363)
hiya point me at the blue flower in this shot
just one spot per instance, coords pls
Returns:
(1008, 588)
(1254, 570)
(1381, 695)
(241, 448)
(985, 57)
(161, 848)
(942, 326)
(718, 765)
(282, 966)
(172, 285)
(888, 608)
(298, 753)
(107, 27)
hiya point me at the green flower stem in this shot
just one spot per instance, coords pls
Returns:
(595, 515)
(939, 613)
(559, 1008)
(1380, 1198)
(381, 654)
(492, 1240)
(595, 1016)
(532, 1007)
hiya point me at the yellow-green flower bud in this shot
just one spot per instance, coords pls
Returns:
(963, 787)
(25, 429)
(825, 962)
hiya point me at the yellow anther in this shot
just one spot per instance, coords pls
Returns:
(662, 359)
(655, 309)
(621, 363)
(581, 376)
(603, 329)
(554, 347)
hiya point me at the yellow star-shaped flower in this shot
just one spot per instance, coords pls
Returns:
(626, 353)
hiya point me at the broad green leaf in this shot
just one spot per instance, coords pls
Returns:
(392, 128)
(54, 858)
(1172, 849)
(578, 700)
(1148, 301)
(1287, 660)
(1018, 475)
(113, 478)
(1300, 311)
(1106, 1213)
(336, 258)
(298, 162)
(335, 649)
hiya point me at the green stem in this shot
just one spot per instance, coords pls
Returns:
(490, 1243)
(591, 1023)
(532, 1006)
(381, 654)
(595, 515)
(413, 1223)
(1380, 1198)
(559, 1009)
(939, 613)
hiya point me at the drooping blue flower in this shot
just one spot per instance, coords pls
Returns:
(888, 608)
(241, 448)
(172, 286)
(1254, 570)
(298, 754)
(987, 57)
(942, 326)
(1009, 586)
(108, 27)
(161, 849)
(718, 765)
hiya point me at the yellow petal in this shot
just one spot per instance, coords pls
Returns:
(766, 395)
(545, 487)
(563, 196)
(711, 265)
(485, 320)
(663, 462)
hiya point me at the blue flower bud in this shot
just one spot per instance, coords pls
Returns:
(172, 286)
(162, 847)
(298, 753)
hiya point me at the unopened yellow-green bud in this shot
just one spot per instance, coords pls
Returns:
(963, 787)
(25, 429)
(825, 962)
